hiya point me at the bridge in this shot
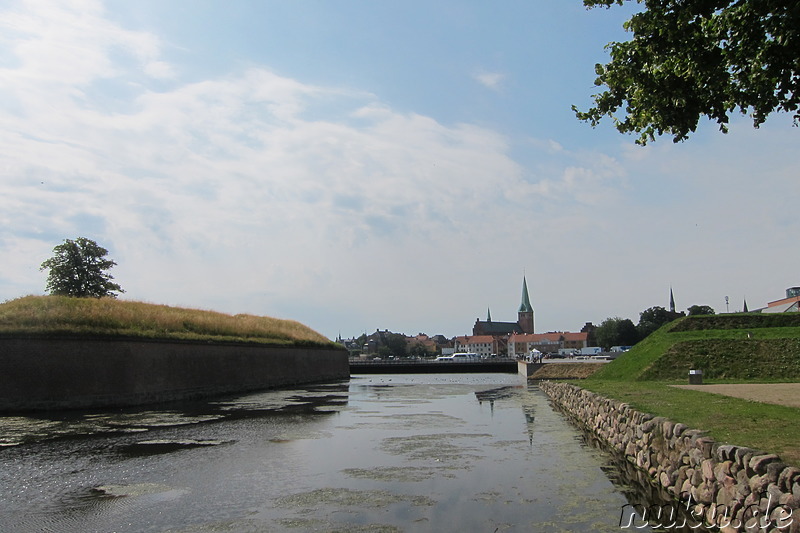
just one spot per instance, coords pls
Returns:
(429, 366)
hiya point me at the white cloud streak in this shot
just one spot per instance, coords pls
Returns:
(490, 80)
(224, 187)
(254, 192)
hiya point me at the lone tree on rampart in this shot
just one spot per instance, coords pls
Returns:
(699, 57)
(77, 269)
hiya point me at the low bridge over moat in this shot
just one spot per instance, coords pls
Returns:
(427, 366)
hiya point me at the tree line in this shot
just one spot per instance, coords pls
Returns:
(616, 331)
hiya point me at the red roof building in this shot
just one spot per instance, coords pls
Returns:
(522, 344)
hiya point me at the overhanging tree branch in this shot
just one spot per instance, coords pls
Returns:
(693, 58)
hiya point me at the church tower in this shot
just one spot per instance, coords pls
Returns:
(525, 314)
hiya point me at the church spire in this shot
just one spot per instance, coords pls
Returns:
(488, 315)
(525, 314)
(525, 306)
(671, 301)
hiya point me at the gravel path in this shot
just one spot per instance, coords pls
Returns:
(777, 393)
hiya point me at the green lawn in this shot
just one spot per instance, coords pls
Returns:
(737, 348)
(771, 428)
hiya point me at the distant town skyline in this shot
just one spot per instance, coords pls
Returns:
(356, 166)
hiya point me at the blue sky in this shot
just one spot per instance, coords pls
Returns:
(368, 165)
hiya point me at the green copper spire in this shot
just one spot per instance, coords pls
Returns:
(488, 315)
(525, 306)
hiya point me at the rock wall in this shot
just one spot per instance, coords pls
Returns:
(37, 374)
(728, 487)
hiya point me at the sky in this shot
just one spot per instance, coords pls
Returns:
(359, 166)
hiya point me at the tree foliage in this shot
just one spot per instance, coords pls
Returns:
(78, 267)
(396, 343)
(616, 331)
(653, 318)
(700, 310)
(690, 58)
(419, 350)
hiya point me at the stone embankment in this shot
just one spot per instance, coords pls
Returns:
(40, 374)
(727, 487)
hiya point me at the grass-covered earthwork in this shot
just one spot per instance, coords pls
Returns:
(62, 316)
(739, 348)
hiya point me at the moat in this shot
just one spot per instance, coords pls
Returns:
(445, 452)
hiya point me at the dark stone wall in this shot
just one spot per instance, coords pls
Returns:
(40, 374)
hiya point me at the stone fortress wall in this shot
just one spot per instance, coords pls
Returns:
(38, 374)
(732, 488)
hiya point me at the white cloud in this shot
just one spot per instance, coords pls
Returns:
(255, 192)
(490, 80)
(68, 44)
(212, 191)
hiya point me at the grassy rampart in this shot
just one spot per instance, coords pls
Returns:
(725, 347)
(739, 348)
(60, 316)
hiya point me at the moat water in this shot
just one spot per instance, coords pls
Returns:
(447, 452)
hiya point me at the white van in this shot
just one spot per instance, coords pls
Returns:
(459, 356)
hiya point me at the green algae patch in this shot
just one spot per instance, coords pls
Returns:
(313, 524)
(398, 474)
(245, 525)
(340, 497)
(439, 447)
(416, 421)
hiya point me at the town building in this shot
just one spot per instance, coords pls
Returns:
(523, 343)
(489, 338)
(788, 304)
(524, 323)
(518, 338)
(483, 345)
(423, 344)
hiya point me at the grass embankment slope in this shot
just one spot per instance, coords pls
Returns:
(566, 371)
(740, 348)
(61, 316)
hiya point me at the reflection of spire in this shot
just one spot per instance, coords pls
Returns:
(529, 418)
(671, 301)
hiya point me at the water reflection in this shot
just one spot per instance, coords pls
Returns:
(42, 426)
(379, 453)
(648, 502)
